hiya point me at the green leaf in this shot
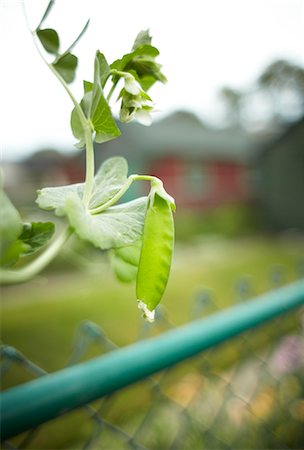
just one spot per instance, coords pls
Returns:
(35, 235)
(95, 107)
(87, 86)
(117, 226)
(49, 39)
(141, 62)
(66, 66)
(78, 129)
(125, 63)
(53, 198)
(100, 113)
(102, 118)
(10, 229)
(125, 260)
(101, 69)
(143, 38)
(124, 272)
(147, 81)
(109, 179)
(76, 123)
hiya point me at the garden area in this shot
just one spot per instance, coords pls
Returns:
(210, 401)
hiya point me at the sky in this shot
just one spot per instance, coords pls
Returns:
(204, 44)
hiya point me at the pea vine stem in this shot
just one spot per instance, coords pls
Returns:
(90, 167)
(33, 268)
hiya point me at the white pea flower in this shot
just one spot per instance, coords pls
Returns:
(135, 102)
(137, 105)
(131, 85)
(144, 117)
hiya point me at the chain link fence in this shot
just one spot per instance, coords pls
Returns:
(247, 393)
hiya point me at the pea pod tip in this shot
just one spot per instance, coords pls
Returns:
(147, 314)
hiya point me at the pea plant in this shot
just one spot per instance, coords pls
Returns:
(138, 234)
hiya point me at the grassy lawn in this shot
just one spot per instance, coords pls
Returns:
(40, 318)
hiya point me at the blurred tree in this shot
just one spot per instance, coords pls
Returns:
(279, 89)
(232, 100)
(283, 81)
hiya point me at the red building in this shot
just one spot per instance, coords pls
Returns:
(201, 167)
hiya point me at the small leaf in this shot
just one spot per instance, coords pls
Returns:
(130, 254)
(100, 112)
(117, 226)
(101, 69)
(143, 38)
(147, 81)
(35, 235)
(76, 123)
(124, 272)
(66, 66)
(95, 108)
(87, 86)
(125, 63)
(102, 118)
(125, 260)
(10, 229)
(77, 129)
(142, 63)
(49, 39)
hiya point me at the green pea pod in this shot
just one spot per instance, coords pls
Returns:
(156, 252)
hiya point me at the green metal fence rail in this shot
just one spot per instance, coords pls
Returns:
(45, 398)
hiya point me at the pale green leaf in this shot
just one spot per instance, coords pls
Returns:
(124, 271)
(125, 260)
(101, 69)
(143, 38)
(53, 198)
(109, 179)
(117, 226)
